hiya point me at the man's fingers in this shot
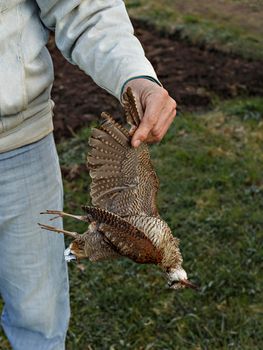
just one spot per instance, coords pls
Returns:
(157, 124)
(161, 127)
(159, 111)
(162, 133)
(141, 133)
(148, 122)
(154, 124)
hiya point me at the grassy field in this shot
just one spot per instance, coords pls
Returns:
(210, 167)
(233, 26)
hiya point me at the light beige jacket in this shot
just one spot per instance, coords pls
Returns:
(96, 35)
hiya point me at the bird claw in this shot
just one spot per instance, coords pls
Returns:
(58, 230)
(67, 253)
(50, 228)
(58, 213)
(61, 214)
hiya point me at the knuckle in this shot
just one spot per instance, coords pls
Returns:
(165, 93)
(151, 121)
(155, 132)
(158, 137)
(174, 104)
(142, 136)
(147, 119)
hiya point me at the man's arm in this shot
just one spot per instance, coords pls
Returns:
(97, 35)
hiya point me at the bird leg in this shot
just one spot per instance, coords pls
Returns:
(58, 230)
(60, 214)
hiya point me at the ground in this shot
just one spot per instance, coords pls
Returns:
(233, 26)
(210, 167)
(195, 77)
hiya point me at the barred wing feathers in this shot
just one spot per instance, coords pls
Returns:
(124, 238)
(123, 179)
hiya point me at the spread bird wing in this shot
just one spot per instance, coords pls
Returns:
(123, 237)
(123, 178)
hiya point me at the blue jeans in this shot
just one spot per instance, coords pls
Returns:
(33, 273)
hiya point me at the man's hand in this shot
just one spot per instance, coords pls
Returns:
(157, 109)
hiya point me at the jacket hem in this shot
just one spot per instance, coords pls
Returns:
(30, 130)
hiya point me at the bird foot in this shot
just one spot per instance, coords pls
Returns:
(58, 213)
(61, 214)
(55, 229)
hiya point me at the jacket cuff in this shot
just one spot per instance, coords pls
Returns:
(148, 77)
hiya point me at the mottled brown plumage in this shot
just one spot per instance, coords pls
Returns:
(124, 221)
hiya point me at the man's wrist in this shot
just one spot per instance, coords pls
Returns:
(147, 77)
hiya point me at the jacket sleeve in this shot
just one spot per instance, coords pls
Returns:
(97, 35)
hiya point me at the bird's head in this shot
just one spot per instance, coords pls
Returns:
(177, 279)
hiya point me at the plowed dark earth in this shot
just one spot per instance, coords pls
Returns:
(192, 75)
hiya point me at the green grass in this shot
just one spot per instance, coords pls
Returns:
(245, 108)
(230, 26)
(211, 173)
(210, 167)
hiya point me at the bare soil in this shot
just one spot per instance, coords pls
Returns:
(194, 76)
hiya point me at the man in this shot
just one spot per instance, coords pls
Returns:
(97, 36)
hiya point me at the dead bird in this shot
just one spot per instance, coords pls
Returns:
(124, 220)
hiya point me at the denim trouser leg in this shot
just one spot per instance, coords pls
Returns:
(33, 273)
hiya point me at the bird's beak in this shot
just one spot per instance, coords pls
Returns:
(189, 284)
